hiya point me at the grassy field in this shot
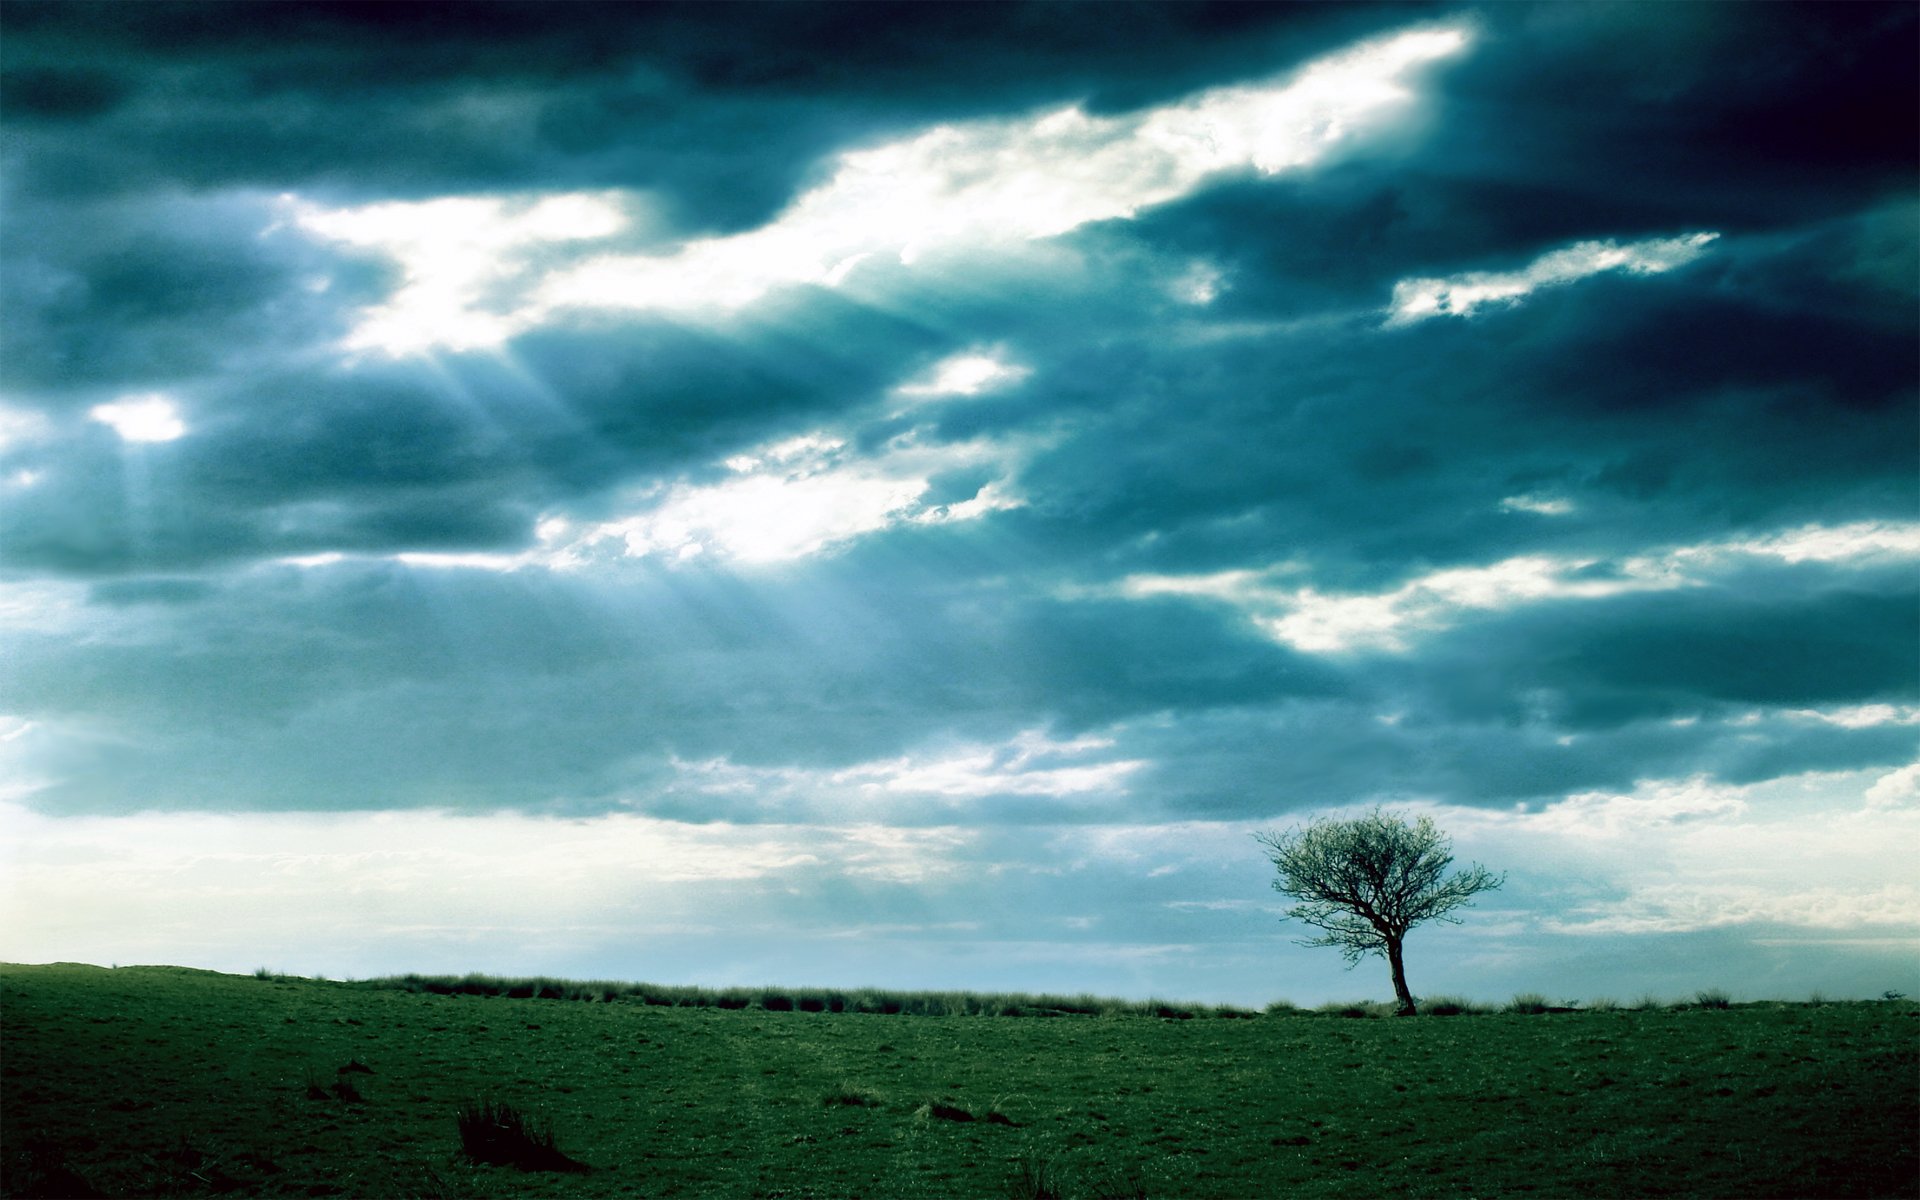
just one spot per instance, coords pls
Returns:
(165, 1081)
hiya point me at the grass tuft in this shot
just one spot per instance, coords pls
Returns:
(1450, 1006)
(1712, 998)
(499, 1135)
(1528, 1002)
(1040, 1178)
(852, 1097)
(936, 1110)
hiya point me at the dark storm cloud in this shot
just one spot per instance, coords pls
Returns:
(724, 114)
(1727, 117)
(1767, 385)
(153, 289)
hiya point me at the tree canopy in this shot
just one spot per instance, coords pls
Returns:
(1364, 882)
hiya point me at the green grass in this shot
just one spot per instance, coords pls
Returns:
(171, 1082)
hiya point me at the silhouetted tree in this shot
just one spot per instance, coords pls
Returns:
(1365, 882)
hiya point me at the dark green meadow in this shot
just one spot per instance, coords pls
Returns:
(159, 1081)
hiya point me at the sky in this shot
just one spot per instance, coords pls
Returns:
(860, 495)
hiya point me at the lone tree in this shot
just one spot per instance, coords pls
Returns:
(1365, 882)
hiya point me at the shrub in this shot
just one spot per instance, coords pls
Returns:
(499, 1135)
(1528, 1002)
(1712, 998)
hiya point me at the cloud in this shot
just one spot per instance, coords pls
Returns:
(967, 374)
(982, 454)
(799, 497)
(1896, 789)
(148, 418)
(957, 185)
(1462, 295)
(453, 253)
(1309, 620)
(1683, 908)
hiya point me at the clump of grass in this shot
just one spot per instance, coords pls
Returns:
(1712, 998)
(40, 1168)
(499, 1135)
(805, 1000)
(852, 1097)
(1352, 1010)
(1450, 1006)
(1283, 1008)
(1648, 1002)
(1603, 1004)
(936, 1110)
(1529, 1003)
(1040, 1178)
(1120, 1185)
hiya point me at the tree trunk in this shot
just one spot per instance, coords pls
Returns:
(1400, 992)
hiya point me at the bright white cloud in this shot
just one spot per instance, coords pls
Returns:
(1855, 716)
(1546, 506)
(1811, 851)
(1462, 295)
(1029, 764)
(793, 499)
(788, 500)
(1860, 541)
(480, 269)
(1653, 804)
(463, 261)
(1896, 789)
(1334, 622)
(149, 417)
(965, 375)
(1684, 908)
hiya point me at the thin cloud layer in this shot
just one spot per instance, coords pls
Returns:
(919, 453)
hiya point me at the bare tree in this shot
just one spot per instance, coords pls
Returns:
(1365, 882)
